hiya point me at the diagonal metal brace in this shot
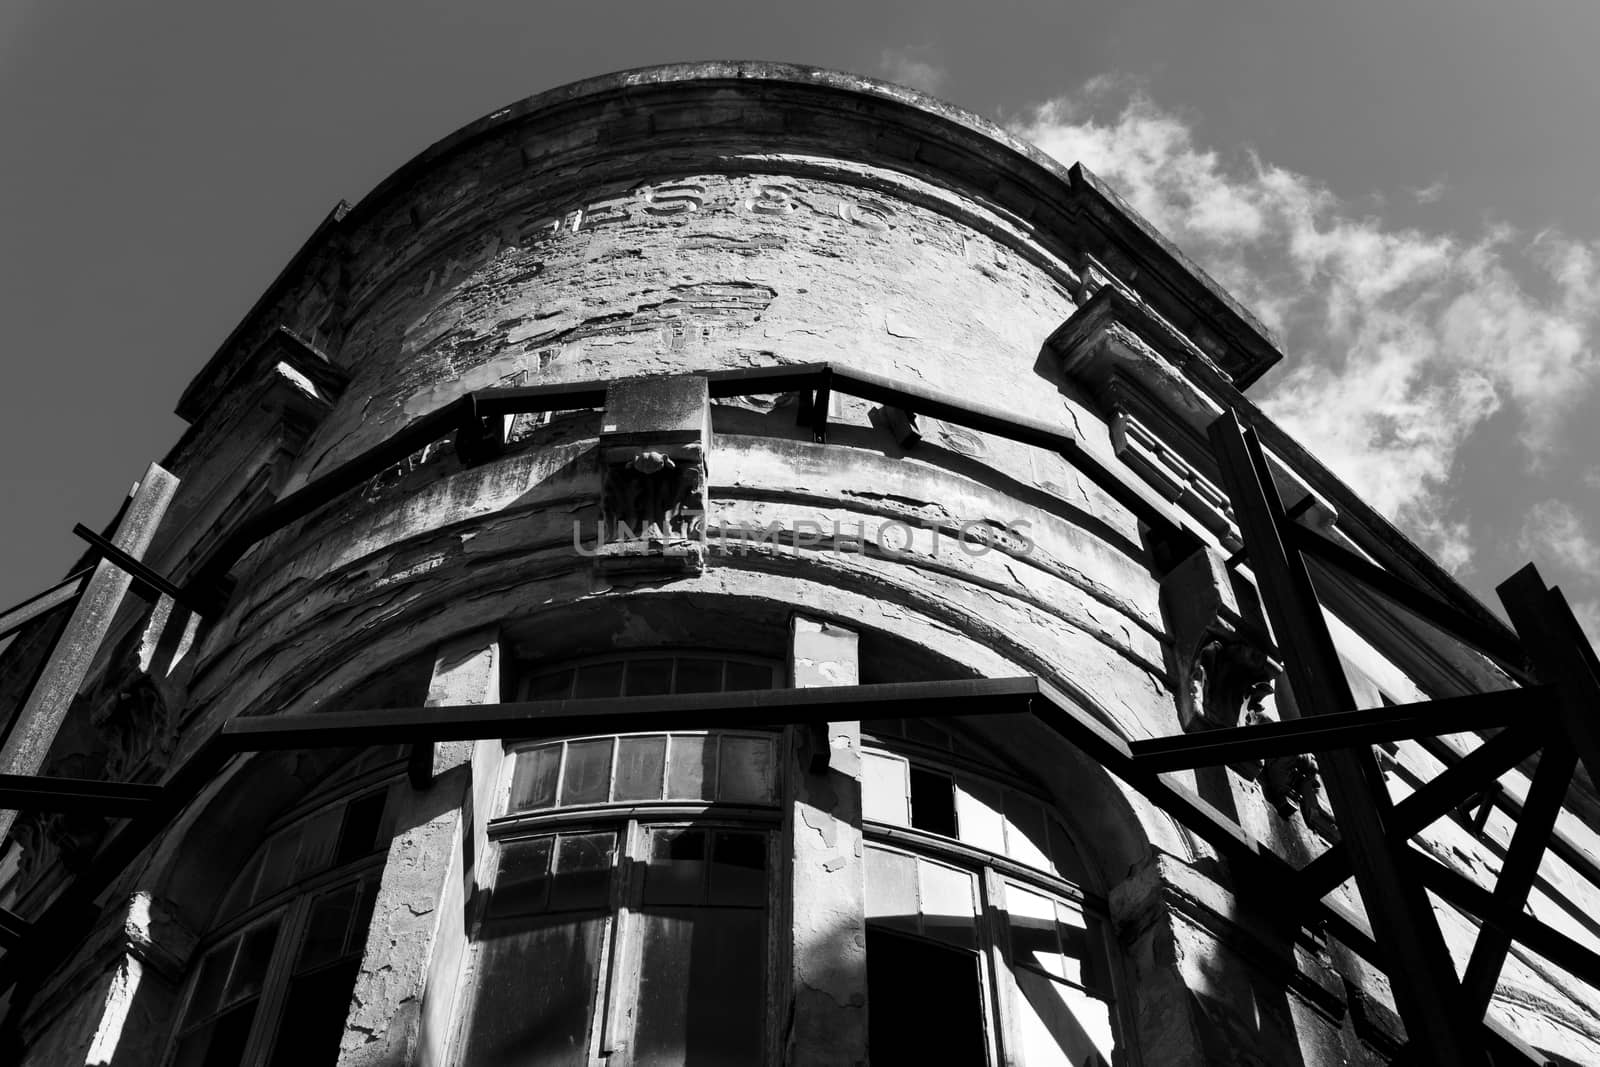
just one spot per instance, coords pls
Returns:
(1479, 711)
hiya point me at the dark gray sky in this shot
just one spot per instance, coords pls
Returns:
(1406, 187)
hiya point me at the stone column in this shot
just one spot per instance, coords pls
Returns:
(827, 1022)
(401, 1003)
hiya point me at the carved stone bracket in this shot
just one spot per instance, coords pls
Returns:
(1225, 665)
(1227, 674)
(654, 444)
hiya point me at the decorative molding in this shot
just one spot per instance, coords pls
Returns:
(1174, 477)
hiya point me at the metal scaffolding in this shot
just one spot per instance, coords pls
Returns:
(1549, 711)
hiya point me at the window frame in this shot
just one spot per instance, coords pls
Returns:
(993, 871)
(291, 904)
(611, 1028)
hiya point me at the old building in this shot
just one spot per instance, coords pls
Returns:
(736, 564)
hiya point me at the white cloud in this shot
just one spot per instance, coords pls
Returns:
(918, 66)
(1431, 193)
(1399, 342)
(1553, 533)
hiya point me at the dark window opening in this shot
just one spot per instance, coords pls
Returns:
(363, 817)
(933, 802)
(924, 1002)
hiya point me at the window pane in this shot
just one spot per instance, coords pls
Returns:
(701, 995)
(978, 816)
(599, 680)
(1061, 1026)
(588, 774)
(749, 675)
(314, 1015)
(278, 866)
(364, 904)
(892, 889)
(325, 929)
(676, 874)
(213, 975)
(533, 780)
(1033, 930)
(239, 891)
(317, 839)
(218, 1042)
(557, 685)
(933, 805)
(699, 676)
(583, 871)
(641, 762)
(948, 910)
(255, 952)
(746, 770)
(363, 817)
(523, 884)
(885, 789)
(1025, 833)
(534, 1016)
(692, 767)
(739, 869)
(647, 676)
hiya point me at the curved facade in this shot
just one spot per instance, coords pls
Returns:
(631, 510)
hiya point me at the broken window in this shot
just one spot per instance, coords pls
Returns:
(974, 960)
(904, 791)
(274, 984)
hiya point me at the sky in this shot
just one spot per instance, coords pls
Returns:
(1403, 189)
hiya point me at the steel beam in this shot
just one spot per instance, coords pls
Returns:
(563, 718)
(1461, 891)
(56, 930)
(1561, 655)
(1479, 711)
(818, 377)
(1415, 956)
(154, 585)
(1500, 644)
(1434, 800)
(118, 800)
(1518, 870)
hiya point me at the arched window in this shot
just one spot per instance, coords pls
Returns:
(980, 936)
(636, 869)
(273, 978)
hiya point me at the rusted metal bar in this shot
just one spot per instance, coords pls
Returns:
(1370, 726)
(35, 727)
(1415, 956)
